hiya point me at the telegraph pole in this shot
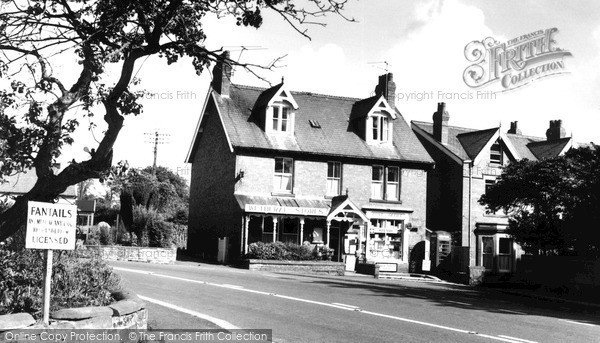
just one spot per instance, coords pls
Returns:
(155, 138)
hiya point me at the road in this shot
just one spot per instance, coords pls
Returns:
(351, 308)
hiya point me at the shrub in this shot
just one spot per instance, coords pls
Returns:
(76, 282)
(152, 229)
(288, 251)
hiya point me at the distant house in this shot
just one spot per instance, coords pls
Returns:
(22, 183)
(278, 165)
(468, 161)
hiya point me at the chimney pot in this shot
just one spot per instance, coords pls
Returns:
(222, 75)
(440, 123)
(555, 131)
(387, 88)
(514, 129)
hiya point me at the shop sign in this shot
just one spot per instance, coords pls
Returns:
(388, 267)
(387, 215)
(301, 211)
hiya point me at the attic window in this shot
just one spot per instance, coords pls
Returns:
(381, 127)
(314, 123)
(496, 153)
(280, 118)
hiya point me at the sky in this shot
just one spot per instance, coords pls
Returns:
(421, 42)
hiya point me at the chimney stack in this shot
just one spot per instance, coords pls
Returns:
(387, 88)
(555, 131)
(514, 129)
(222, 75)
(440, 123)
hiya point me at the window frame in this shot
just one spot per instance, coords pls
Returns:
(496, 155)
(334, 178)
(381, 182)
(396, 196)
(281, 174)
(385, 183)
(281, 117)
(380, 128)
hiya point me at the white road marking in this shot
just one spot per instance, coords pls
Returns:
(220, 322)
(574, 322)
(500, 338)
(350, 306)
(232, 286)
(518, 339)
(334, 305)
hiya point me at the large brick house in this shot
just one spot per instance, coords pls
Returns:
(467, 162)
(278, 165)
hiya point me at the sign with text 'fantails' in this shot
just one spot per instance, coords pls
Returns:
(51, 226)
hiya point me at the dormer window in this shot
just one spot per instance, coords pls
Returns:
(381, 128)
(281, 116)
(279, 110)
(373, 118)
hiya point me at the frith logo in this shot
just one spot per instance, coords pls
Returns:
(516, 62)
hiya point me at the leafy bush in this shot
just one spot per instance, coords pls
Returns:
(288, 251)
(76, 282)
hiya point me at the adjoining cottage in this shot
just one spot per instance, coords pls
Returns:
(277, 165)
(468, 161)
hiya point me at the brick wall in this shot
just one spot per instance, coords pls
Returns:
(301, 267)
(136, 254)
(213, 208)
(444, 191)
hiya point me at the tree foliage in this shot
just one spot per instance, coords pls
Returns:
(553, 204)
(36, 111)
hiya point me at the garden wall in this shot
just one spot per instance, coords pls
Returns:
(573, 275)
(298, 267)
(137, 254)
(129, 312)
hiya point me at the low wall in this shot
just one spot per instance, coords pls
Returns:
(300, 267)
(368, 269)
(571, 274)
(129, 312)
(137, 254)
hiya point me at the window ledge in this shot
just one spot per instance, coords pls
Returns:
(386, 201)
(279, 194)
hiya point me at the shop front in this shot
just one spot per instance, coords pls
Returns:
(387, 241)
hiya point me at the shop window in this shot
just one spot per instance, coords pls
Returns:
(284, 176)
(290, 230)
(334, 178)
(386, 239)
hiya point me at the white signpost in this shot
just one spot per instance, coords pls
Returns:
(50, 227)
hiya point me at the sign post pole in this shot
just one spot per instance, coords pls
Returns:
(47, 279)
(50, 227)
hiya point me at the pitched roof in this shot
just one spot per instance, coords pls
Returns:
(467, 143)
(334, 137)
(22, 183)
(474, 141)
(545, 149)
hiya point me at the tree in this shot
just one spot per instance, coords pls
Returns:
(36, 120)
(553, 204)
